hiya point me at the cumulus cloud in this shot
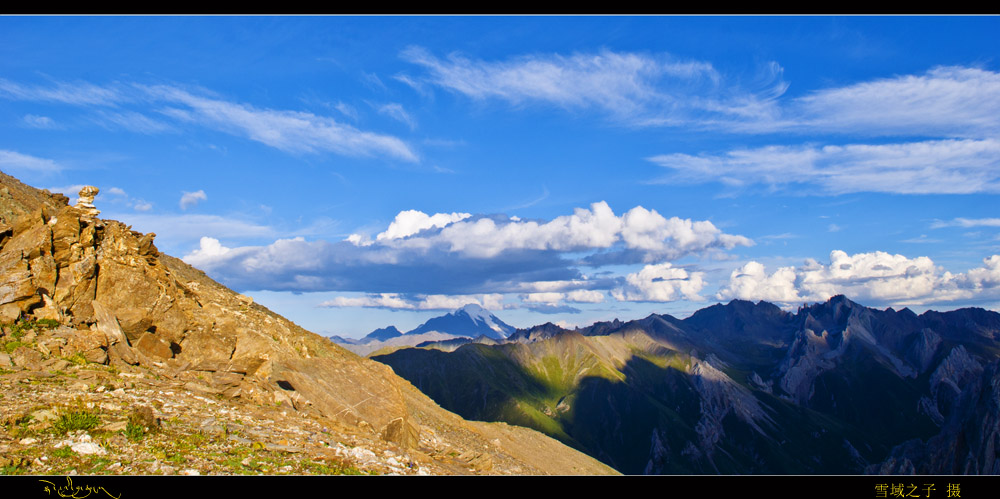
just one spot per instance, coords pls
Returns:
(982, 278)
(661, 283)
(639, 229)
(877, 277)
(465, 254)
(142, 205)
(410, 222)
(190, 199)
(929, 167)
(751, 282)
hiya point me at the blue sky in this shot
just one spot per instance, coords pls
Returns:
(356, 172)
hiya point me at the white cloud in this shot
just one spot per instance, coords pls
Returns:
(78, 93)
(877, 277)
(190, 199)
(751, 282)
(210, 248)
(43, 122)
(18, 162)
(982, 278)
(395, 301)
(458, 254)
(639, 88)
(347, 110)
(930, 167)
(410, 222)
(576, 296)
(639, 229)
(290, 131)
(661, 283)
(141, 205)
(945, 101)
(396, 112)
(967, 222)
(132, 121)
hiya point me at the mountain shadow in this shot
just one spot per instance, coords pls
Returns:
(836, 388)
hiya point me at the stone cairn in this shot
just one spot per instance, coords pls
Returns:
(86, 202)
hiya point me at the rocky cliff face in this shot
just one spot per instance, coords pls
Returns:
(118, 301)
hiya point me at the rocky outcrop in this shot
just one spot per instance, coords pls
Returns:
(123, 304)
(720, 396)
(93, 291)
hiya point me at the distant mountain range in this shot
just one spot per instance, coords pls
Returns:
(469, 322)
(834, 388)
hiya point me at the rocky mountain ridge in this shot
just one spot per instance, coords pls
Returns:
(835, 387)
(113, 300)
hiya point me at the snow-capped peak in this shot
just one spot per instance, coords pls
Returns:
(480, 314)
(470, 321)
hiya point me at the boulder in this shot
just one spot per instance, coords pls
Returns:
(402, 433)
(153, 346)
(27, 357)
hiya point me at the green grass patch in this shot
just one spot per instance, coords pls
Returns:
(63, 452)
(76, 419)
(77, 359)
(333, 468)
(134, 432)
(10, 346)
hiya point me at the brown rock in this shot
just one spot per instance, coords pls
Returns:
(146, 246)
(201, 387)
(53, 346)
(96, 355)
(203, 348)
(84, 340)
(402, 433)
(27, 357)
(349, 390)
(144, 416)
(153, 346)
(9, 312)
(65, 233)
(120, 353)
(16, 284)
(56, 364)
(225, 380)
(482, 462)
(107, 324)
